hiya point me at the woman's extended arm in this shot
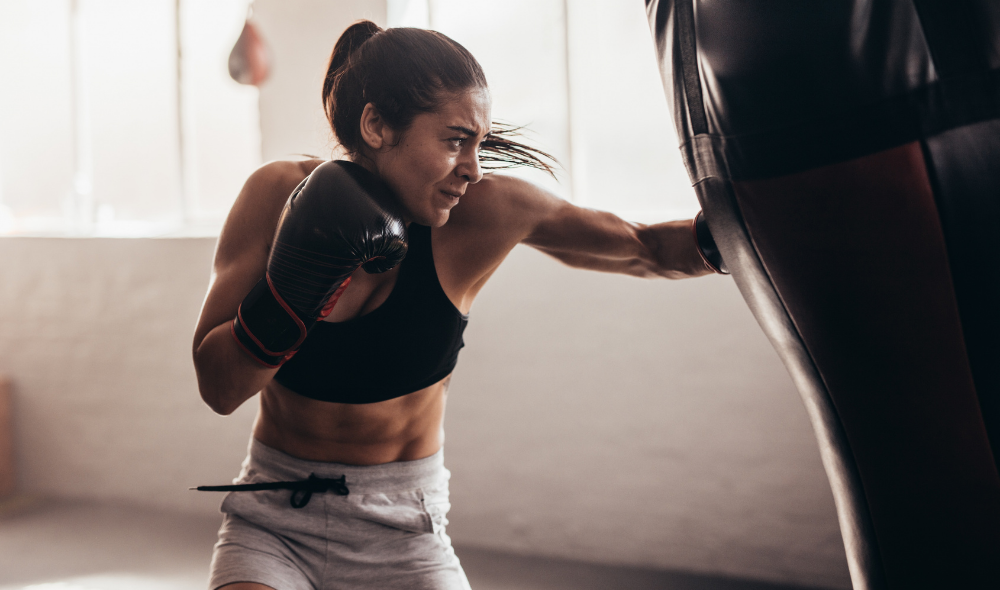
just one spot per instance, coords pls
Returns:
(227, 376)
(598, 240)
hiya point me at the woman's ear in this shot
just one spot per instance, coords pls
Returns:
(374, 132)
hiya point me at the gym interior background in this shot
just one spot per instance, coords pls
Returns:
(592, 417)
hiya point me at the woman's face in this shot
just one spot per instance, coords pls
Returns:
(435, 160)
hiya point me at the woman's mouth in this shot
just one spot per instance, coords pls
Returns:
(454, 196)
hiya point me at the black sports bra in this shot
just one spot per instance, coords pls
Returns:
(408, 343)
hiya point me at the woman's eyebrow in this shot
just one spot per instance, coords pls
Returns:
(464, 130)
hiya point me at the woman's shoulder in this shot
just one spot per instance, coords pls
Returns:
(499, 183)
(280, 173)
(268, 187)
(497, 194)
(493, 216)
(500, 200)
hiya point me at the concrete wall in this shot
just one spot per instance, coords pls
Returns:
(592, 416)
(646, 422)
(96, 337)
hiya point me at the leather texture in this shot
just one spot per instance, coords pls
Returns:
(707, 247)
(965, 172)
(845, 154)
(340, 218)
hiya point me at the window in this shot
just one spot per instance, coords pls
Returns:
(107, 129)
(118, 118)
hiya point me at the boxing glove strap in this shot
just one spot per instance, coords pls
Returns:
(266, 327)
(706, 245)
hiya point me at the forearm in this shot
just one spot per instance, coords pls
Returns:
(607, 243)
(227, 376)
(599, 240)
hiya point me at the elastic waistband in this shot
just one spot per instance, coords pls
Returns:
(267, 463)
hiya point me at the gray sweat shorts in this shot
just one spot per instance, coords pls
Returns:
(388, 532)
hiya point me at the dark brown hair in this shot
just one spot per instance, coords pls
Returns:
(404, 72)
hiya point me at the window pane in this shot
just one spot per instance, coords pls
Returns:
(36, 131)
(221, 117)
(625, 152)
(130, 81)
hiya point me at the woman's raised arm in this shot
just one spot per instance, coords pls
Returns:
(227, 376)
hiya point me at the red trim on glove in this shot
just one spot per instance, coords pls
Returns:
(250, 353)
(333, 299)
(303, 332)
(291, 314)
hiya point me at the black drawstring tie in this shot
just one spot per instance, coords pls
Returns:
(302, 490)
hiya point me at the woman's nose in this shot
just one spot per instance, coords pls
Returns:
(469, 169)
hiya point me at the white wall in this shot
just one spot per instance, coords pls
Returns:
(592, 416)
(96, 337)
(645, 422)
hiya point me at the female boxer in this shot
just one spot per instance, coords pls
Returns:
(349, 429)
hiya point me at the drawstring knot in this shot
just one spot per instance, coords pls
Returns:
(317, 485)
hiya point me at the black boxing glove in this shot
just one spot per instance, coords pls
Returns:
(706, 245)
(339, 218)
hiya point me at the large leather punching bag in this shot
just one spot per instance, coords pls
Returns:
(847, 156)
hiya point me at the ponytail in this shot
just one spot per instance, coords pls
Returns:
(345, 104)
(351, 39)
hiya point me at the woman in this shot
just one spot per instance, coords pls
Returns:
(360, 407)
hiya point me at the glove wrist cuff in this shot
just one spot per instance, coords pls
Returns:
(252, 349)
(707, 248)
(266, 327)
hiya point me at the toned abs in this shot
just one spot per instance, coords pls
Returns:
(402, 429)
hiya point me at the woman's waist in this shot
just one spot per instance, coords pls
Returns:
(266, 464)
(402, 429)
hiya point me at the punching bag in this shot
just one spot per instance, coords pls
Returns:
(846, 154)
(250, 59)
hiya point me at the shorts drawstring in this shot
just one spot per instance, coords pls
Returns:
(302, 490)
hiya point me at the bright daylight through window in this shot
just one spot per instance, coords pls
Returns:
(119, 118)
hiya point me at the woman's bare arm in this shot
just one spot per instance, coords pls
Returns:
(598, 240)
(227, 376)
